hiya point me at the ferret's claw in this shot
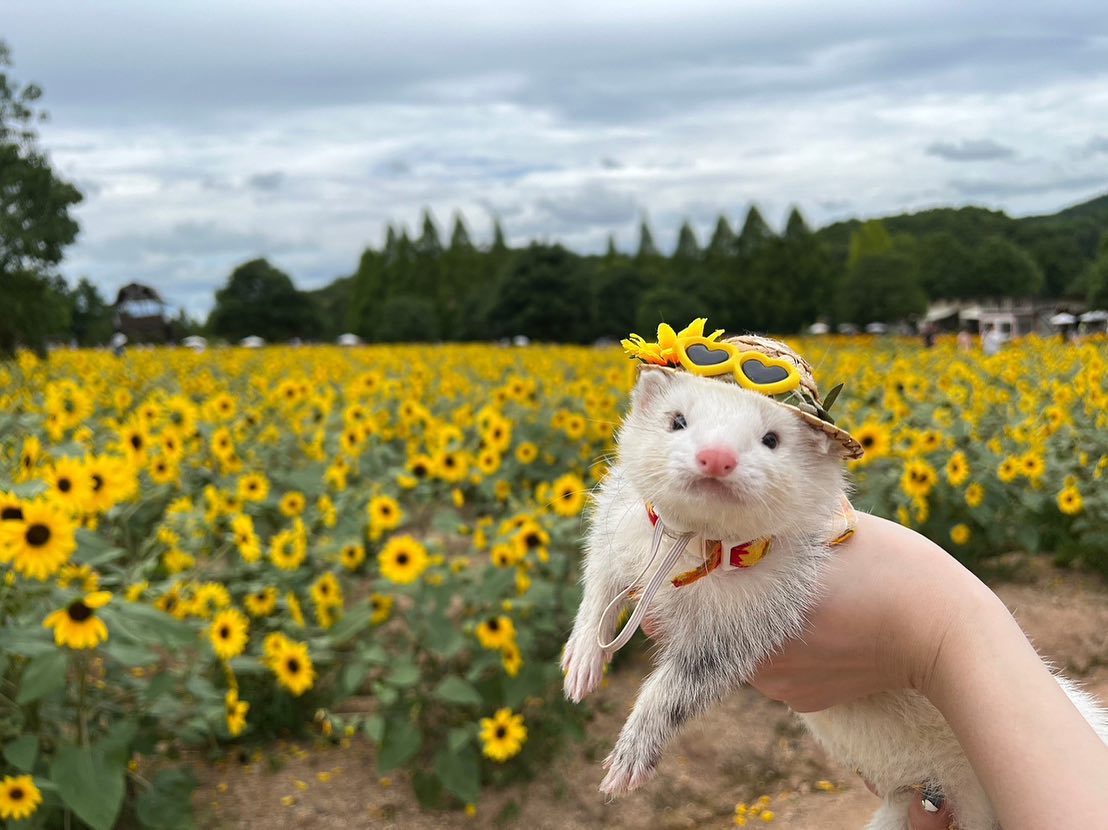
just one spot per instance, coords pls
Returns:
(584, 670)
(624, 777)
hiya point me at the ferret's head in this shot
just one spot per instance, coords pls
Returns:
(714, 457)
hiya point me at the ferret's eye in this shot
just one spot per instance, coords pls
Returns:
(677, 422)
(770, 440)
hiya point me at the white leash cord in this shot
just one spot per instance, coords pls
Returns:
(652, 587)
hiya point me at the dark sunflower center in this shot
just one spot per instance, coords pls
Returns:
(224, 633)
(65, 485)
(449, 461)
(419, 470)
(97, 482)
(16, 794)
(494, 625)
(293, 665)
(402, 559)
(867, 441)
(11, 514)
(37, 535)
(532, 540)
(386, 510)
(136, 442)
(78, 611)
(501, 732)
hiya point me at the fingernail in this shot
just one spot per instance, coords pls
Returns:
(933, 798)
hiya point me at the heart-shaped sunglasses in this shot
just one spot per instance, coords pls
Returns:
(752, 370)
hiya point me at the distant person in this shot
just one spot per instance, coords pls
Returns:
(928, 332)
(991, 340)
(965, 339)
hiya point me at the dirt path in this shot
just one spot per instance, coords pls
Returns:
(746, 748)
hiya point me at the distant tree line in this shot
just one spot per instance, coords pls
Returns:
(420, 288)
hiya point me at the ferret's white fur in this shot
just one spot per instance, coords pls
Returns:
(714, 631)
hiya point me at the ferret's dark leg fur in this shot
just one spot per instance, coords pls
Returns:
(705, 656)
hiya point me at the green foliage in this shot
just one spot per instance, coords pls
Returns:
(882, 280)
(540, 295)
(1096, 280)
(261, 300)
(35, 225)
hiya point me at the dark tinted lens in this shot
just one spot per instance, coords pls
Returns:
(760, 373)
(701, 355)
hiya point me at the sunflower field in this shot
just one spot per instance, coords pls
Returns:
(202, 550)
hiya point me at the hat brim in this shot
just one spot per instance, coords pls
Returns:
(850, 448)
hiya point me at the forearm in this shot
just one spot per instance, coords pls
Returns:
(1036, 756)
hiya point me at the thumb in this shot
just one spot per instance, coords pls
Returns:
(920, 819)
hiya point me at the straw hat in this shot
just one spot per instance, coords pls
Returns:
(804, 401)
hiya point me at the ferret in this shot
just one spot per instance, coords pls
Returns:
(723, 463)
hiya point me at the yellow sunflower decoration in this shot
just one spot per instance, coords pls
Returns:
(77, 626)
(503, 735)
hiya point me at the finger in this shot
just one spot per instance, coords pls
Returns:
(919, 818)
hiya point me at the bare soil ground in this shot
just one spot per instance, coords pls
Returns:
(746, 748)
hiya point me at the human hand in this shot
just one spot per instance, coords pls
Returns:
(890, 599)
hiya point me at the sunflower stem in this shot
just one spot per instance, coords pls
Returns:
(82, 688)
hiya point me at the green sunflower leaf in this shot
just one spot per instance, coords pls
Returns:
(401, 741)
(457, 690)
(89, 784)
(460, 772)
(44, 674)
(21, 752)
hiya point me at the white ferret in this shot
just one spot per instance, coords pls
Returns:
(725, 463)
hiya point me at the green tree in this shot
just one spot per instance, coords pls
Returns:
(90, 316)
(946, 266)
(540, 296)
(723, 243)
(882, 280)
(261, 300)
(35, 225)
(669, 304)
(1096, 279)
(647, 249)
(1003, 269)
(755, 233)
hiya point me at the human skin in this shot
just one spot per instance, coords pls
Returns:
(899, 612)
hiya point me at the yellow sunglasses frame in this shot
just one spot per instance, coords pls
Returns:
(733, 364)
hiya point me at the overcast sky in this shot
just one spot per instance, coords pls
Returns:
(205, 134)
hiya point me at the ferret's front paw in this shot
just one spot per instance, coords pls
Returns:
(627, 771)
(583, 665)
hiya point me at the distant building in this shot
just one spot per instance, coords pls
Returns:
(140, 313)
(1013, 317)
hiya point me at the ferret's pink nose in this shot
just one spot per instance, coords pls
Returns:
(716, 462)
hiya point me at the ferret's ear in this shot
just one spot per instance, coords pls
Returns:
(652, 383)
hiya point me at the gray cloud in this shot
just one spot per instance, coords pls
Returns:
(983, 149)
(592, 204)
(266, 182)
(1001, 188)
(1097, 145)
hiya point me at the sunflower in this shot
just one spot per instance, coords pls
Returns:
(42, 542)
(253, 487)
(975, 495)
(957, 469)
(1008, 470)
(29, 456)
(918, 478)
(503, 735)
(69, 484)
(285, 550)
(488, 461)
(960, 534)
(236, 713)
(568, 495)
(228, 633)
(526, 452)
(292, 665)
(163, 470)
(19, 797)
(292, 504)
(82, 577)
(352, 556)
(1069, 500)
(295, 611)
(77, 626)
(496, 632)
(1032, 465)
(246, 539)
(261, 603)
(133, 440)
(382, 608)
(421, 466)
(874, 439)
(512, 659)
(402, 560)
(326, 591)
(384, 514)
(451, 466)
